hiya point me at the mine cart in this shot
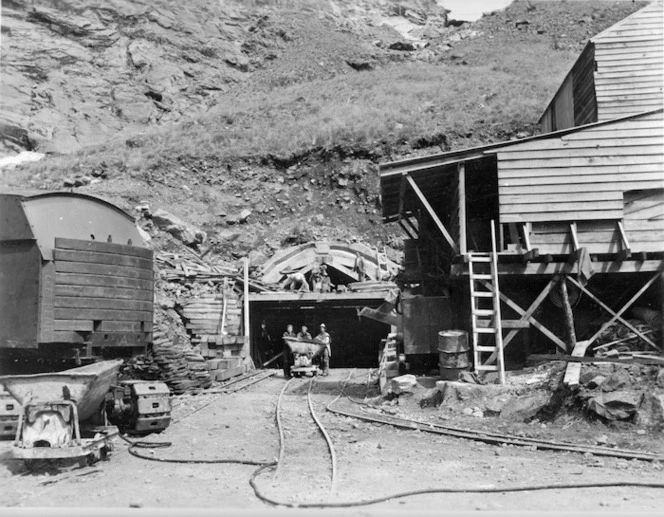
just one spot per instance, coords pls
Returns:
(303, 352)
(67, 415)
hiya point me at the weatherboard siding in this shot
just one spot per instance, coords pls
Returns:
(581, 176)
(619, 73)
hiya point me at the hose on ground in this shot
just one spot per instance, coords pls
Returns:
(138, 444)
(263, 466)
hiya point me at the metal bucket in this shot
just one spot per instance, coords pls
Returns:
(453, 353)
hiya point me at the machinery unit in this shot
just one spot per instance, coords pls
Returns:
(9, 413)
(74, 414)
(139, 407)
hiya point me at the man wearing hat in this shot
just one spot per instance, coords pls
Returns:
(324, 337)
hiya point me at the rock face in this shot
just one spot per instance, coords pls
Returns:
(75, 73)
(525, 408)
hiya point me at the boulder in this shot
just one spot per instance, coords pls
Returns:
(244, 215)
(618, 405)
(651, 411)
(431, 398)
(596, 381)
(525, 408)
(496, 404)
(188, 234)
(616, 380)
(402, 384)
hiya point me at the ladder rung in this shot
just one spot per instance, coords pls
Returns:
(481, 294)
(481, 277)
(488, 367)
(480, 259)
(486, 348)
(484, 312)
(515, 324)
(485, 330)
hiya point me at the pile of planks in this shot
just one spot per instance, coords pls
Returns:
(176, 268)
(213, 314)
(214, 321)
(180, 366)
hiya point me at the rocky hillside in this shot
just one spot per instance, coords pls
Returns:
(279, 108)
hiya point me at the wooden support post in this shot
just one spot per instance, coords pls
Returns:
(625, 251)
(402, 196)
(575, 243)
(432, 214)
(463, 246)
(616, 315)
(569, 315)
(246, 347)
(530, 252)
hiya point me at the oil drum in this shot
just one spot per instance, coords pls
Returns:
(453, 353)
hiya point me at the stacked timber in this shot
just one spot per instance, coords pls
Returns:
(214, 322)
(175, 358)
(176, 268)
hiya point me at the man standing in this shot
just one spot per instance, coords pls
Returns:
(287, 351)
(304, 333)
(324, 337)
(360, 268)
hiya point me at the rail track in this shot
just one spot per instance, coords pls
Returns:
(304, 444)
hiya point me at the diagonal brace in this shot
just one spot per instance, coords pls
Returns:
(617, 315)
(432, 213)
(527, 315)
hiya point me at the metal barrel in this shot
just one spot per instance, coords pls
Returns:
(453, 341)
(453, 353)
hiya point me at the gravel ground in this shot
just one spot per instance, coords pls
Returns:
(373, 461)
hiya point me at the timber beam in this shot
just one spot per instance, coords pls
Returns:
(427, 206)
(559, 268)
(527, 318)
(617, 315)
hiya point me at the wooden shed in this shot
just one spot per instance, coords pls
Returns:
(620, 72)
(588, 199)
(75, 275)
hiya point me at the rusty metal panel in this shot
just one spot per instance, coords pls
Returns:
(423, 318)
(19, 293)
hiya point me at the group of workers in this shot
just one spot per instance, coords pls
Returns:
(320, 280)
(323, 337)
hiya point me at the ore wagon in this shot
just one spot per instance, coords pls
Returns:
(76, 277)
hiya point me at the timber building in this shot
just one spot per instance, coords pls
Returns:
(583, 201)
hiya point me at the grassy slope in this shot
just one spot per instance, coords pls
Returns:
(486, 89)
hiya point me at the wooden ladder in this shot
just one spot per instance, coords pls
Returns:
(485, 310)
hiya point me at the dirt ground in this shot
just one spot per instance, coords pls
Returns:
(373, 460)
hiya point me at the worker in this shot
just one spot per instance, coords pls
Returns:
(360, 268)
(287, 351)
(325, 338)
(326, 285)
(304, 333)
(316, 278)
(297, 282)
